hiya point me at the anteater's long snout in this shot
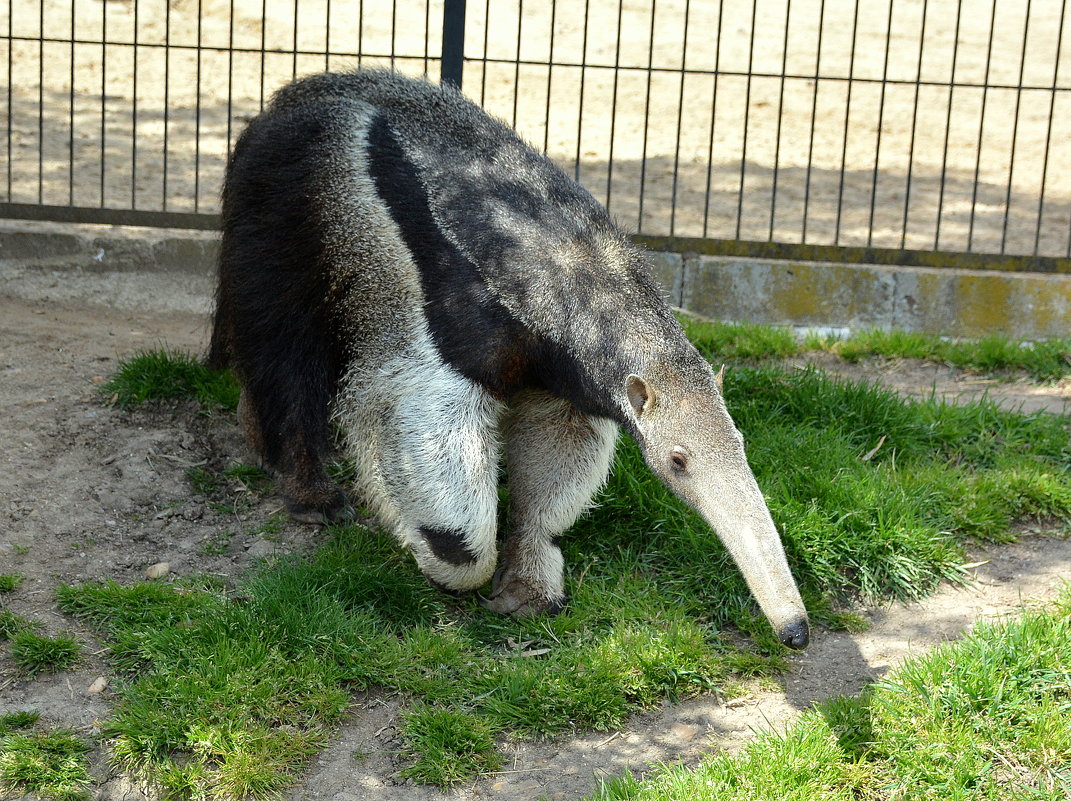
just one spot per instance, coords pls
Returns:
(796, 635)
(743, 523)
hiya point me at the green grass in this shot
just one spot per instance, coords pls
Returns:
(227, 695)
(11, 624)
(737, 341)
(50, 764)
(164, 375)
(448, 745)
(202, 481)
(984, 719)
(9, 582)
(1044, 360)
(34, 653)
(17, 720)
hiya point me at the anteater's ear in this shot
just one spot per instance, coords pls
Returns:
(640, 395)
(720, 379)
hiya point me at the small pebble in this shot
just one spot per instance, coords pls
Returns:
(159, 570)
(98, 685)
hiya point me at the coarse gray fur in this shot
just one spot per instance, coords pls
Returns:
(484, 308)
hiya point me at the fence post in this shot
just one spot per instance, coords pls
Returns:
(453, 42)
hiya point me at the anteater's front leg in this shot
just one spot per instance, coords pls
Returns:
(425, 443)
(557, 458)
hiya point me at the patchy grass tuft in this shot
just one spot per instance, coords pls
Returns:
(9, 582)
(1044, 360)
(11, 624)
(17, 720)
(449, 745)
(166, 375)
(739, 341)
(50, 764)
(35, 653)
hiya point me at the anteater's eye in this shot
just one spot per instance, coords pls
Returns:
(678, 460)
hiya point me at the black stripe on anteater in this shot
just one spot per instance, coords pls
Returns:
(472, 331)
(448, 544)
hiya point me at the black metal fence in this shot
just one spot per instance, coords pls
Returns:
(905, 125)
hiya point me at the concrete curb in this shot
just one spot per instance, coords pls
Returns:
(947, 301)
(90, 262)
(102, 248)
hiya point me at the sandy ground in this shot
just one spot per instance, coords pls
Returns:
(91, 492)
(142, 109)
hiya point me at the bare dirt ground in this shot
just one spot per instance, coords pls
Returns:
(92, 492)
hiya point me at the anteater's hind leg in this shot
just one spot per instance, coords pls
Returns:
(283, 411)
(291, 435)
(557, 458)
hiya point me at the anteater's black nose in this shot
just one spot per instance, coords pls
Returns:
(796, 635)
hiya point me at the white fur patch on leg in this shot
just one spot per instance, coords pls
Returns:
(425, 441)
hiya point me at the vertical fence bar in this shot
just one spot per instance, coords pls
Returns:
(550, 75)
(452, 67)
(914, 125)
(881, 123)
(103, 93)
(197, 116)
(1015, 130)
(167, 92)
(981, 127)
(780, 116)
(747, 118)
(948, 129)
(41, 105)
(613, 106)
(517, 64)
(230, 77)
(1048, 134)
(814, 117)
(360, 32)
(427, 34)
(10, 82)
(70, 107)
(486, 39)
(580, 102)
(847, 119)
(680, 119)
(133, 117)
(293, 58)
(393, 30)
(713, 119)
(263, 46)
(647, 117)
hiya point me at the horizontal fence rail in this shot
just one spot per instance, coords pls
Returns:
(871, 125)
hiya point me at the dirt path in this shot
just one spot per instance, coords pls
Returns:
(90, 492)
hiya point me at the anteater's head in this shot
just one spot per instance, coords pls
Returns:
(691, 443)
